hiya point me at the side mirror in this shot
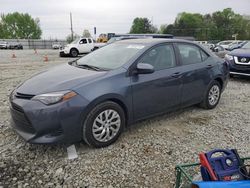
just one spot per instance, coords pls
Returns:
(215, 49)
(144, 68)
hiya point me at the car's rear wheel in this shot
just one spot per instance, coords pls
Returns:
(73, 52)
(103, 124)
(212, 96)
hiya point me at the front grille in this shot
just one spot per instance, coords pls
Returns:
(244, 59)
(23, 96)
(20, 118)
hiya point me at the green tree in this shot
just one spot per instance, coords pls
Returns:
(86, 33)
(1, 31)
(142, 25)
(69, 37)
(163, 28)
(188, 24)
(19, 25)
(228, 23)
(220, 25)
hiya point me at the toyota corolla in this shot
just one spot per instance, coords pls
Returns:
(95, 97)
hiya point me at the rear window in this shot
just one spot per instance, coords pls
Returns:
(191, 54)
(89, 40)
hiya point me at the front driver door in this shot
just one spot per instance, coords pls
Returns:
(159, 91)
(83, 44)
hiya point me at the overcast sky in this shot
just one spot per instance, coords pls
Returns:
(111, 15)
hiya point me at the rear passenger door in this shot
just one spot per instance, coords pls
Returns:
(90, 45)
(195, 67)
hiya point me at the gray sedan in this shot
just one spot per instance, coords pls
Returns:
(96, 97)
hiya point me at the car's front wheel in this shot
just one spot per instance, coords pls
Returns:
(212, 96)
(103, 124)
(73, 52)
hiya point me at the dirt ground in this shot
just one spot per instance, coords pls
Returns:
(144, 156)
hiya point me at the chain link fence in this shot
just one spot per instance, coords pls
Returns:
(34, 43)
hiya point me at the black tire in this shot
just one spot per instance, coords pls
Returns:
(95, 48)
(206, 103)
(88, 135)
(74, 52)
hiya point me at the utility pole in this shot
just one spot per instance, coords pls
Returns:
(71, 27)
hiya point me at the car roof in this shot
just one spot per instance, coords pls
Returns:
(152, 41)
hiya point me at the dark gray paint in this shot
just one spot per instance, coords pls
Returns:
(141, 96)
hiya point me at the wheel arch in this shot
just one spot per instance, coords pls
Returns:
(220, 80)
(74, 48)
(114, 98)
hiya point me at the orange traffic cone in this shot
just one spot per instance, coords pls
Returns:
(46, 59)
(13, 55)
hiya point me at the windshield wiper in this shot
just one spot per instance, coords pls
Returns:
(90, 67)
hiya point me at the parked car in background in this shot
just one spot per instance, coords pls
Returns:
(216, 49)
(79, 46)
(209, 45)
(95, 97)
(225, 44)
(4, 45)
(16, 46)
(202, 42)
(239, 60)
(236, 45)
(56, 46)
(219, 51)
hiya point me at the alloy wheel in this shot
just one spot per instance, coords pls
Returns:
(106, 125)
(214, 95)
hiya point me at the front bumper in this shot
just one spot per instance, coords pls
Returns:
(237, 69)
(64, 53)
(41, 124)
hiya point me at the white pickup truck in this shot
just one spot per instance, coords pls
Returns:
(79, 46)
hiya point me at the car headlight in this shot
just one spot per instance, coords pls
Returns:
(229, 57)
(55, 97)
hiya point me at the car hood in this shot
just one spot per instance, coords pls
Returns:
(240, 52)
(70, 45)
(59, 78)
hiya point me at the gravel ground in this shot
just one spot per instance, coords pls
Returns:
(144, 156)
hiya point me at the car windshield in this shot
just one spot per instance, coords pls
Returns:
(247, 45)
(75, 41)
(111, 56)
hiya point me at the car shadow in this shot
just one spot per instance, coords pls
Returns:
(162, 117)
(242, 79)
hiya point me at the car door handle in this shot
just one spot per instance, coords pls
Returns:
(209, 66)
(176, 75)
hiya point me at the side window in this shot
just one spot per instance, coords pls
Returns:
(191, 54)
(83, 41)
(89, 40)
(160, 57)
